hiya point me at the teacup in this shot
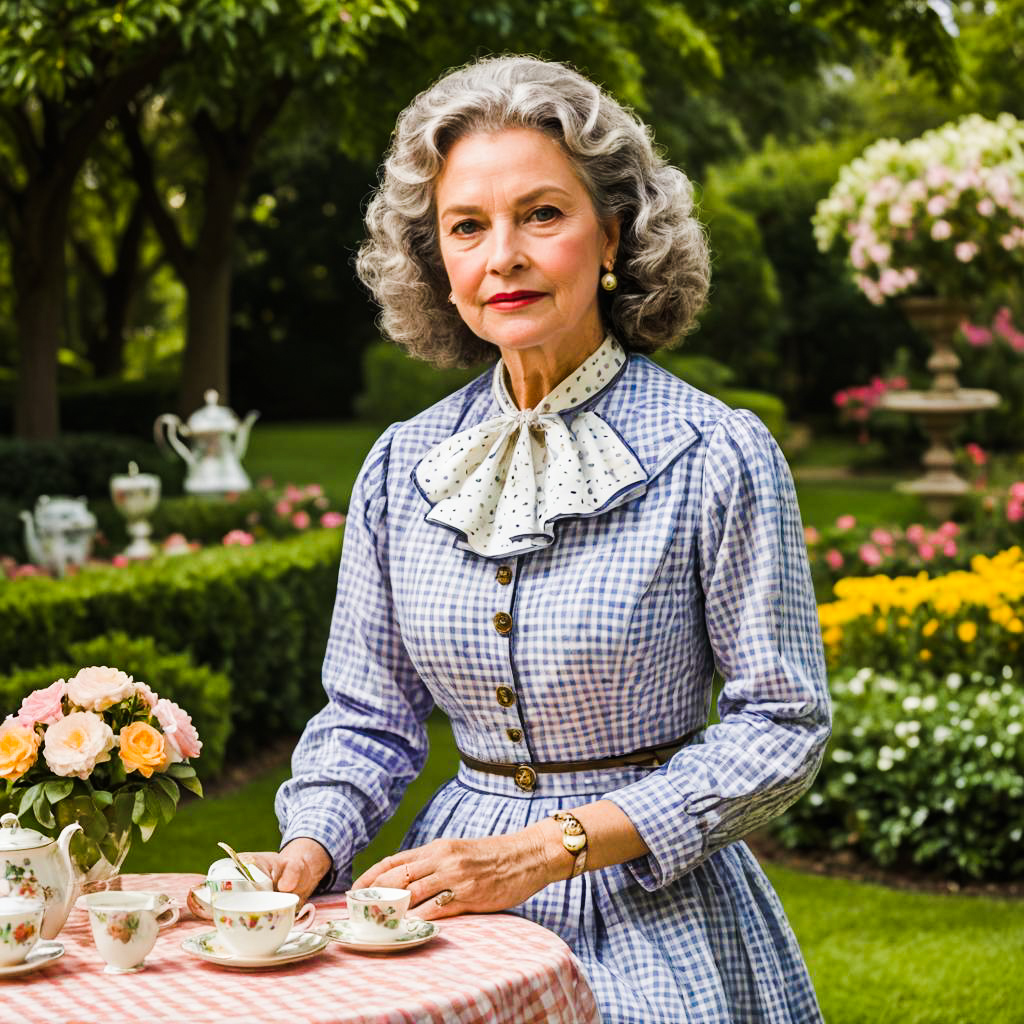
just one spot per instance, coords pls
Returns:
(125, 926)
(376, 914)
(257, 923)
(20, 919)
(223, 876)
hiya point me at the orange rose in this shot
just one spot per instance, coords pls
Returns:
(19, 746)
(142, 748)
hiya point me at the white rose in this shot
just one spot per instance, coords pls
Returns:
(99, 687)
(77, 743)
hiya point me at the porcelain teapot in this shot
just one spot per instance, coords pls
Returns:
(59, 533)
(218, 446)
(35, 866)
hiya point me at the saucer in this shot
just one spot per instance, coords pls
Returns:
(298, 946)
(409, 934)
(41, 954)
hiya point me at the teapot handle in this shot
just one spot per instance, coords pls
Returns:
(172, 425)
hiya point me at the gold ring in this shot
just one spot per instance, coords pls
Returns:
(444, 897)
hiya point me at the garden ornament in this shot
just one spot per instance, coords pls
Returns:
(218, 445)
(37, 867)
(135, 496)
(59, 533)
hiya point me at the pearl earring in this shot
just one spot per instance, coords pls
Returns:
(451, 297)
(609, 282)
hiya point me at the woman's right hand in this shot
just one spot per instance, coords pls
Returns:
(297, 867)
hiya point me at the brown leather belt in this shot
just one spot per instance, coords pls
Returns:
(525, 773)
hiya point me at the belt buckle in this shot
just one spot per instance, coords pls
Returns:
(525, 777)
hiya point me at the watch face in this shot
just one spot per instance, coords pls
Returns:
(574, 843)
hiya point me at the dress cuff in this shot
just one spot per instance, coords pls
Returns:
(330, 832)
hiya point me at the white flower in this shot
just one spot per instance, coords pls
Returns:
(849, 778)
(99, 687)
(1007, 672)
(911, 703)
(941, 734)
(980, 740)
(954, 680)
(913, 741)
(1014, 729)
(930, 703)
(841, 756)
(77, 743)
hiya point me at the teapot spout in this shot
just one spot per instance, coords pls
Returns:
(242, 434)
(57, 913)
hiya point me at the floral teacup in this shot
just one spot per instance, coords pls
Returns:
(376, 914)
(257, 923)
(20, 920)
(125, 926)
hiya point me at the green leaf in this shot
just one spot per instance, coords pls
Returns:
(193, 785)
(166, 805)
(169, 786)
(28, 798)
(124, 804)
(57, 790)
(139, 807)
(41, 809)
(101, 798)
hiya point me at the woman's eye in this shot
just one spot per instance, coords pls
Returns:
(544, 214)
(464, 227)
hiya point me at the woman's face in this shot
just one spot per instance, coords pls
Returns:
(521, 242)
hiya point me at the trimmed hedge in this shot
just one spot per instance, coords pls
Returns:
(258, 614)
(202, 692)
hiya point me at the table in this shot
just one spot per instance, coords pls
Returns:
(493, 968)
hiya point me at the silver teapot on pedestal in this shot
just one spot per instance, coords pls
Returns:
(59, 533)
(218, 441)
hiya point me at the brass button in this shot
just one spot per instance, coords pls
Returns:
(504, 575)
(515, 735)
(506, 697)
(503, 623)
(525, 777)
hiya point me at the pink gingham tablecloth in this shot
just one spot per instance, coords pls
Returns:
(493, 968)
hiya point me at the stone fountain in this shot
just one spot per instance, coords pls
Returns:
(941, 408)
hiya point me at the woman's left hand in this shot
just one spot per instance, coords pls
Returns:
(484, 875)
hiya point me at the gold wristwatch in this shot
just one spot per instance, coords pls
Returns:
(574, 839)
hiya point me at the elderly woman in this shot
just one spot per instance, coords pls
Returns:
(559, 556)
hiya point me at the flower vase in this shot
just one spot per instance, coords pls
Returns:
(942, 408)
(104, 873)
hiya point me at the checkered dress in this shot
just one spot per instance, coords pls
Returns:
(617, 628)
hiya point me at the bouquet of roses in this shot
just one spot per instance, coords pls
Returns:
(942, 214)
(102, 750)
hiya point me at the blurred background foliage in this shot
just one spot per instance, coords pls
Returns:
(215, 158)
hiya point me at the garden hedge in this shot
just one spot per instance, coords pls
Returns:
(258, 614)
(204, 693)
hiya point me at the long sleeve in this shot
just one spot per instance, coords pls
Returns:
(762, 624)
(357, 755)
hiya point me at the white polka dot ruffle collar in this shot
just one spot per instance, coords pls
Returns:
(503, 484)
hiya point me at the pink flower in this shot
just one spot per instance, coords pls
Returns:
(937, 206)
(1015, 511)
(43, 707)
(293, 493)
(811, 535)
(846, 522)
(986, 207)
(976, 453)
(27, 570)
(869, 554)
(841, 398)
(948, 529)
(120, 561)
(239, 538)
(834, 558)
(314, 490)
(300, 520)
(331, 520)
(915, 533)
(881, 537)
(966, 251)
(179, 733)
(283, 509)
(976, 335)
(900, 214)
(941, 230)
(1017, 490)
(145, 694)
(926, 551)
(949, 549)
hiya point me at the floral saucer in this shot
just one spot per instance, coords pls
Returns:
(298, 946)
(41, 954)
(411, 933)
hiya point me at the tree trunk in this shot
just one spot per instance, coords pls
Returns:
(38, 271)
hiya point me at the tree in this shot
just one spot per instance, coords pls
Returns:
(65, 70)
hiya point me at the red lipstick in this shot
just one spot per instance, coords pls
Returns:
(513, 300)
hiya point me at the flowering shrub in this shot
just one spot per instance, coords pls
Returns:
(100, 749)
(858, 402)
(921, 770)
(957, 622)
(943, 213)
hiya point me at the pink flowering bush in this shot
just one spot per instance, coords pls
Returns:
(857, 403)
(942, 214)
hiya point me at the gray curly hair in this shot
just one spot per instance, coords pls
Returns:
(662, 262)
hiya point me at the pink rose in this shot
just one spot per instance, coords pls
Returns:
(870, 555)
(293, 493)
(77, 743)
(926, 551)
(966, 251)
(948, 529)
(811, 535)
(941, 230)
(915, 533)
(179, 733)
(1015, 511)
(146, 695)
(949, 549)
(846, 522)
(314, 490)
(238, 538)
(834, 558)
(937, 206)
(99, 687)
(883, 538)
(331, 520)
(300, 520)
(120, 561)
(1017, 490)
(43, 707)
(283, 509)
(986, 207)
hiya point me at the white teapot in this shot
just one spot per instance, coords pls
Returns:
(37, 867)
(218, 440)
(59, 533)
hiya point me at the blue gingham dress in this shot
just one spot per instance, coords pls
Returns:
(617, 628)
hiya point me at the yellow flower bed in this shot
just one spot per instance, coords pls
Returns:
(958, 621)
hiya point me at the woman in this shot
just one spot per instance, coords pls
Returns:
(558, 556)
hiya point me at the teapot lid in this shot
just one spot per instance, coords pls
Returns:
(212, 418)
(14, 837)
(134, 480)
